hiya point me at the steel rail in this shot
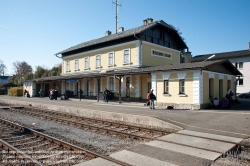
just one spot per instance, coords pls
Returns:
(97, 120)
(63, 143)
(24, 156)
(94, 127)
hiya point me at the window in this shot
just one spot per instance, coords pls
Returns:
(236, 65)
(165, 86)
(67, 65)
(126, 56)
(76, 64)
(111, 58)
(240, 65)
(182, 87)
(111, 83)
(98, 60)
(149, 87)
(240, 81)
(86, 62)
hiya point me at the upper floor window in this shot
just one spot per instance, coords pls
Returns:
(111, 83)
(126, 56)
(236, 65)
(161, 54)
(240, 65)
(86, 62)
(76, 64)
(98, 60)
(182, 86)
(111, 58)
(240, 81)
(166, 87)
(67, 66)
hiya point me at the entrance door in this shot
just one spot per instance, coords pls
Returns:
(38, 87)
(87, 88)
(128, 87)
(221, 89)
(46, 91)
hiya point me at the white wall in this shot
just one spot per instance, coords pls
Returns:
(245, 71)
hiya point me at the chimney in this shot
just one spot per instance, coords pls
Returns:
(120, 30)
(187, 57)
(150, 20)
(108, 33)
(145, 22)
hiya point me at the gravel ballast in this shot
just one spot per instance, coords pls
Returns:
(105, 144)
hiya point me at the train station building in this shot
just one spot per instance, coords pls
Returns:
(131, 62)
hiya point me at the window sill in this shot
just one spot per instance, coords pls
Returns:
(86, 68)
(182, 95)
(167, 94)
(128, 63)
(68, 71)
(98, 67)
(111, 65)
(77, 69)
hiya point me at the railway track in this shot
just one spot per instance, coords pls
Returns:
(20, 145)
(101, 126)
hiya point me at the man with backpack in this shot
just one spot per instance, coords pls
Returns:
(152, 98)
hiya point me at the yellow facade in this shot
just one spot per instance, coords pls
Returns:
(152, 60)
(104, 55)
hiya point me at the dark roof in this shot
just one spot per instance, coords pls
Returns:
(176, 67)
(7, 84)
(123, 34)
(4, 77)
(223, 55)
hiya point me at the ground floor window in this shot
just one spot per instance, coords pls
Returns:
(149, 87)
(111, 83)
(165, 86)
(182, 86)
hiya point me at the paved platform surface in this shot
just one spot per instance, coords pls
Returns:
(180, 150)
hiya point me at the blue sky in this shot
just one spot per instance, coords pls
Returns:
(34, 30)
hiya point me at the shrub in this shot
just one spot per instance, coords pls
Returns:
(15, 91)
(2, 91)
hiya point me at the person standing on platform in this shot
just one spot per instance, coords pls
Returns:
(152, 99)
(41, 93)
(80, 94)
(105, 94)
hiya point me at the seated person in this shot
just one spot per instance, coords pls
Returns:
(216, 102)
(224, 103)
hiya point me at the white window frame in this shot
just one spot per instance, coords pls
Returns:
(166, 87)
(127, 49)
(67, 65)
(113, 61)
(76, 64)
(240, 65)
(86, 66)
(96, 64)
(181, 91)
(111, 83)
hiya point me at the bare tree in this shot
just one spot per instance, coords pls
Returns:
(2, 68)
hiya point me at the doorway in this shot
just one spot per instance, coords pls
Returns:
(128, 87)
